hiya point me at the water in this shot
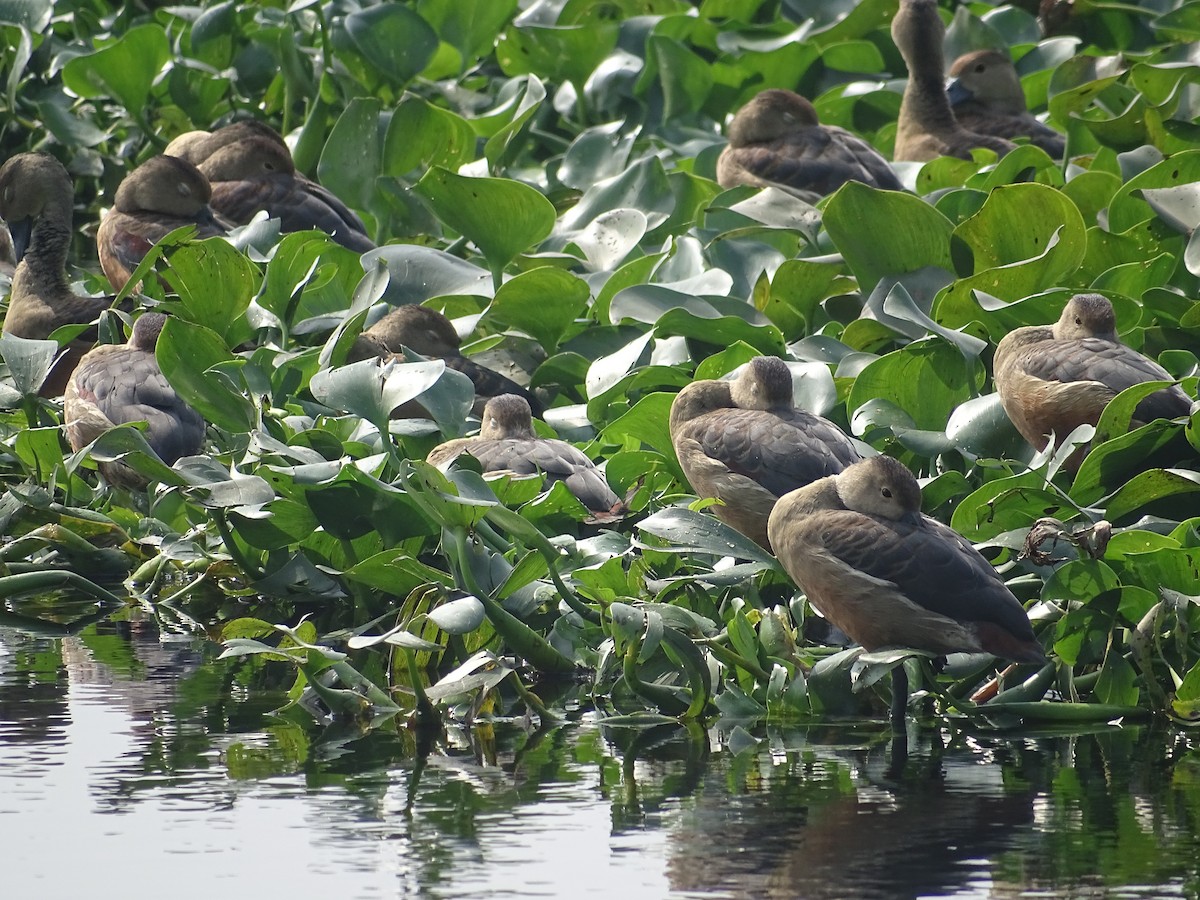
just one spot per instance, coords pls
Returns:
(137, 767)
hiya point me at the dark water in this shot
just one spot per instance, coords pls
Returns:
(135, 766)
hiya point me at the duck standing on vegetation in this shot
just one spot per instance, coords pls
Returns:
(36, 199)
(251, 168)
(1054, 378)
(120, 383)
(160, 195)
(858, 545)
(745, 443)
(507, 443)
(927, 128)
(985, 94)
(776, 140)
(429, 333)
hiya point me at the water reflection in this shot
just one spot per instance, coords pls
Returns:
(133, 764)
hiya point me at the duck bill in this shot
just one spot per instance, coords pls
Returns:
(956, 92)
(21, 231)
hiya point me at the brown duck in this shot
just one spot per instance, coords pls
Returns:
(160, 195)
(119, 383)
(507, 443)
(36, 199)
(890, 577)
(985, 94)
(745, 443)
(775, 139)
(429, 333)
(927, 128)
(1053, 378)
(250, 168)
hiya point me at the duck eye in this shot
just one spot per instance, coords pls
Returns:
(887, 492)
(980, 67)
(1078, 321)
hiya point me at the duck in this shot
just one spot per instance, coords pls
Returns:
(986, 97)
(429, 333)
(507, 443)
(777, 140)
(119, 383)
(36, 200)
(889, 576)
(160, 195)
(927, 128)
(1053, 378)
(745, 443)
(250, 168)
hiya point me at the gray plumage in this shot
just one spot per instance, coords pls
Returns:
(1053, 378)
(745, 443)
(119, 383)
(889, 576)
(776, 139)
(507, 443)
(986, 96)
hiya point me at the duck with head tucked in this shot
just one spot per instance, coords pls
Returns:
(776, 140)
(927, 128)
(507, 443)
(36, 200)
(119, 383)
(160, 195)
(985, 94)
(890, 577)
(250, 168)
(745, 443)
(1054, 378)
(429, 333)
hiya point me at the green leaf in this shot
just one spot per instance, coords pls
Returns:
(394, 39)
(688, 531)
(501, 217)
(422, 135)
(197, 363)
(215, 284)
(874, 252)
(350, 161)
(542, 302)
(927, 379)
(124, 70)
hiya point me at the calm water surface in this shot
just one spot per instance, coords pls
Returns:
(132, 765)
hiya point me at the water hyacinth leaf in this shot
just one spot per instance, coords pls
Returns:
(981, 427)
(520, 100)
(606, 371)
(350, 161)
(927, 379)
(127, 444)
(215, 284)
(190, 356)
(28, 361)
(371, 390)
(645, 422)
(924, 241)
(396, 572)
(418, 273)
(1018, 222)
(688, 531)
(500, 216)
(394, 39)
(125, 70)
(610, 237)
(542, 302)
(559, 53)
(599, 152)
(422, 135)
(643, 186)
(480, 673)
(1128, 208)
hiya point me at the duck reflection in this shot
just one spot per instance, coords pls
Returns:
(850, 822)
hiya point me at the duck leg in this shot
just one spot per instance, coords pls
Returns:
(899, 698)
